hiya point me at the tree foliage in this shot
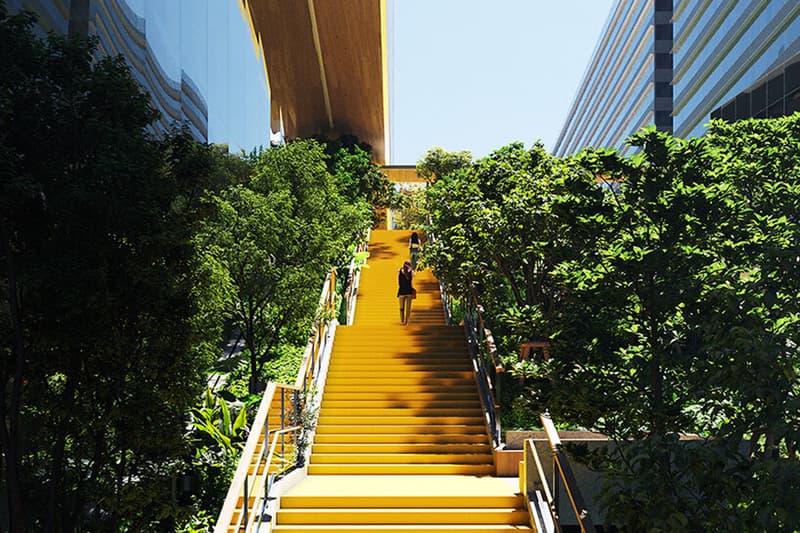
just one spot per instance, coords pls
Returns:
(276, 238)
(109, 316)
(438, 163)
(669, 297)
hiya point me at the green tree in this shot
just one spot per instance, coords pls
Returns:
(106, 316)
(438, 163)
(277, 238)
(505, 222)
(681, 319)
(359, 178)
(670, 302)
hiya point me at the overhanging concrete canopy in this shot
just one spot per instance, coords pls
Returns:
(326, 67)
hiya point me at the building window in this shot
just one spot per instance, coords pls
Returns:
(775, 110)
(743, 106)
(663, 90)
(663, 60)
(774, 90)
(729, 112)
(759, 99)
(793, 102)
(663, 32)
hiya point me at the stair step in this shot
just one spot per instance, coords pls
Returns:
(422, 448)
(401, 469)
(442, 390)
(402, 516)
(415, 528)
(386, 365)
(424, 412)
(434, 354)
(401, 458)
(440, 429)
(402, 502)
(410, 374)
(401, 420)
(383, 394)
(400, 438)
(378, 403)
(415, 378)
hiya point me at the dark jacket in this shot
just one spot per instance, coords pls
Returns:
(404, 283)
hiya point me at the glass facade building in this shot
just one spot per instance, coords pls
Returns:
(627, 83)
(725, 49)
(184, 53)
(677, 63)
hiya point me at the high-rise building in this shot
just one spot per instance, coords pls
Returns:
(723, 49)
(675, 63)
(627, 83)
(183, 53)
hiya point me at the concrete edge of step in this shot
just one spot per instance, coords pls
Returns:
(281, 487)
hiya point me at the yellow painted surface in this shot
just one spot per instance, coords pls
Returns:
(401, 441)
(326, 67)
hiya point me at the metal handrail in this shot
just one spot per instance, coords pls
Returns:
(244, 482)
(478, 335)
(317, 342)
(562, 477)
(535, 510)
(249, 521)
(353, 279)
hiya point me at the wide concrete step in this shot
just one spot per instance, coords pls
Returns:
(379, 403)
(401, 469)
(391, 412)
(404, 353)
(401, 458)
(400, 395)
(403, 516)
(401, 420)
(401, 438)
(406, 374)
(440, 429)
(412, 447)
(443, 390)
(402, 379)
(399, 364)
(398, 528)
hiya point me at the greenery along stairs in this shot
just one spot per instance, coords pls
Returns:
(401, 442)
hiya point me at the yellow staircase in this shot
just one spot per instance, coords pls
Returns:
(401, 442)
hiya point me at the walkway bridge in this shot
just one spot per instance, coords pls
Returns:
(401, 442)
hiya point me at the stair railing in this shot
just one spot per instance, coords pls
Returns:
(485, 361)
(353, 279)
(543, 503)
(274, 445)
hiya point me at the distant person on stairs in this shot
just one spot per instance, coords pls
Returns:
(405, 291)
(414, 247)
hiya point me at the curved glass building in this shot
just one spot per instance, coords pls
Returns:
(184, 53)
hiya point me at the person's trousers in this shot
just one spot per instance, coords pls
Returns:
(405, 307)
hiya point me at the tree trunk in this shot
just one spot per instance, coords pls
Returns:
(55, 492)
(9, 434)
(251, 346)
(514, 289)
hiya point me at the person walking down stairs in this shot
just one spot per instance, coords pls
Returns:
(405, 291)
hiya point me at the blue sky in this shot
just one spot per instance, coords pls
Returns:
(476, 75)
